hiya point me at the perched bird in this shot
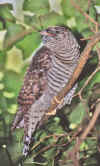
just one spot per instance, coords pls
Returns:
(51, 68)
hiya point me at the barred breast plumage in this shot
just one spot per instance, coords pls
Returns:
(51, 68)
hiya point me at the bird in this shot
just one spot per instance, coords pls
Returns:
(49, 71)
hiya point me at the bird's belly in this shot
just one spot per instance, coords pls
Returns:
(56, 80)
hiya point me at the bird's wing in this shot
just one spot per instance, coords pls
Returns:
(35, 82)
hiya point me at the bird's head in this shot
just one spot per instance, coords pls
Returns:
(55, 37)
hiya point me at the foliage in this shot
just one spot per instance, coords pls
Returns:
(19, 21)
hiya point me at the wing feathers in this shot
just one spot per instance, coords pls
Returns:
(35, 82)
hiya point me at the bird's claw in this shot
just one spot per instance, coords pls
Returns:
(57, 100)
(53, 112)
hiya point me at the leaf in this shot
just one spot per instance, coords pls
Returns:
(84, 146)
(95, 79)
(12, 34)
(53, 19)
(37, 6)
(1, 75)
(97, 9)
(29, 43)
(14, 60)
(13, 82)
(12, 109)
(49, 154)
(73, 126)
(17, 8)
(1, 86)
(8, 94)
(71, 22)
(55, 5)
(77, 114)
(2, 37)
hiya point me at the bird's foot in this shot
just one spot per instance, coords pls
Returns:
(57, 100)
(53, 112)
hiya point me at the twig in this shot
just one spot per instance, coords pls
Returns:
(47, 137)
(37, 163)
(8, 154)
(87, 81)
(90, 77)
(87, 16)
(96, 27)
(18, 37)
(86, 132)
(83, 13)
(44, 149)
(98, 51)
(54, 143)
(71, 134)
(89, 5)
(88, 38)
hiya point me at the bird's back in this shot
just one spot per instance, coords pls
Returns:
(35, 82)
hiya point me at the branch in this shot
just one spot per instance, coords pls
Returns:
(76, 148)
(18, 37)
(91, 76)
(84, 13)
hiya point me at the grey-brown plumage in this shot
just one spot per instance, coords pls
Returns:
(51, 68)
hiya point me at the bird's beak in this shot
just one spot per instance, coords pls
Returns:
(44, 33)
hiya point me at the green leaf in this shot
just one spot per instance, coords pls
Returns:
(12, 33)
(8, 94)
(2, 37)
(12, 109)
(55, 5)
(14, 60)
(38, 7)
(5, 12)
(1, 75)
(17, 7)
(71, 22)
(84, 146)
(29, 44)
(53, 19)
(97, 9)
(12, 82)
(96, 79)
(0, 111)
(77, 114)
(1, 86)
(49, 154)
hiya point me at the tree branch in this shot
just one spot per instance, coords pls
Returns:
(84, 13)
(76, 148)
(18, 37)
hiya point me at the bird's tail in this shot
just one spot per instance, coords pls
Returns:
(33, 119)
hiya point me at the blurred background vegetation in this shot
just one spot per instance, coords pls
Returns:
(18, 39)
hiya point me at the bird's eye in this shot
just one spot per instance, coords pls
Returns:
(57, 32)
(52, 32)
